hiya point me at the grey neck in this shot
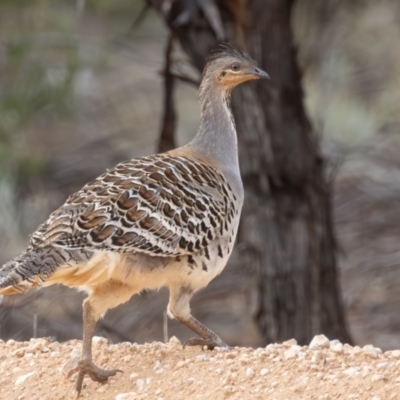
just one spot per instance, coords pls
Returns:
(216, 138)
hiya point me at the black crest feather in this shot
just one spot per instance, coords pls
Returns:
(229, 49)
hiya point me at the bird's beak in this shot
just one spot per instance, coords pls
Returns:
(261, 74)
(257, 73)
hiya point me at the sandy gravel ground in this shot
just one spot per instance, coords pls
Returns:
(325, 370)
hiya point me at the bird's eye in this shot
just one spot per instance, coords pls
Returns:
(235, 67)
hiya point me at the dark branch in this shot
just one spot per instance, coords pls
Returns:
(167, 141)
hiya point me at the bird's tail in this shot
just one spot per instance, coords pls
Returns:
(33, 267)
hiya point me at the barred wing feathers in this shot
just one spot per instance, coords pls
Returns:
(162, 205)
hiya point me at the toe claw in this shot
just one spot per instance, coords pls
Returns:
(96, 374)
(101, 375)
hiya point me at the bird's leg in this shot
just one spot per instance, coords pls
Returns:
(209, 338)
(105, 296)
(179, 308)
(86, 365)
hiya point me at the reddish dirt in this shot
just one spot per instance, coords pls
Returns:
(324, 370)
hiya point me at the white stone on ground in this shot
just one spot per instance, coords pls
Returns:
(289, 343)
(370, 350)
(98, 340)
(336, 346)
(292, 352)
(126, 396)
(23, 378)
(140, 383)
(351, 372)
(250, 372)
(319, 342)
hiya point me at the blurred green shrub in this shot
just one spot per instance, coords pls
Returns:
(28, 88)
(36, 79)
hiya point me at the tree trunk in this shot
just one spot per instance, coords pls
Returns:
(286, 232)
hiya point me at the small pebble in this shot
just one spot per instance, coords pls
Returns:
(370, 350)
(102, 388)
(292, 352)
(140, 383)
(174, 341)
(250, 372)
(19, 352)
(351, 372)
(126, 396)
(23, 378)
(228, 389)
(180, 364)
(395, 353)
(99, 340)
(319, 342)
(317, 357)
(54, 346)
(289, 343)
(336, 346)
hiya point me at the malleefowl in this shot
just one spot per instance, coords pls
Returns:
(164, 220)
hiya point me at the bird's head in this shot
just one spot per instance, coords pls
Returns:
(229, 66)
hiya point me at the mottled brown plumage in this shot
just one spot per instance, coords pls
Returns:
(166, 205)
(164, 220)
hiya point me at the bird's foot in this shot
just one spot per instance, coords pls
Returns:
(210, 343)
(96, 374)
